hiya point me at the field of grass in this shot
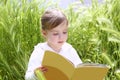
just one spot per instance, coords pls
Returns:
(93, 31)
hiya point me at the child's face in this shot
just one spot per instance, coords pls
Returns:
(57, 36)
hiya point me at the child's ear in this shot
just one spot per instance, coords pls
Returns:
(44, 33)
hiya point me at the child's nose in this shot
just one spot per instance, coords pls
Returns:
(60, 36)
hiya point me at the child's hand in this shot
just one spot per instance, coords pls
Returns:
(43, 69)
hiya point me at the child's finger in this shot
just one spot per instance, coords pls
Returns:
(43, 69)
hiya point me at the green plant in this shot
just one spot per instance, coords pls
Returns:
(93, 31)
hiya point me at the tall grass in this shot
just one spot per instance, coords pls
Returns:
(94, 32)
(19, 27)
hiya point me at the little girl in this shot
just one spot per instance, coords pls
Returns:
(55, 30)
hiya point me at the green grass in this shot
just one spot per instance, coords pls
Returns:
(94, 32)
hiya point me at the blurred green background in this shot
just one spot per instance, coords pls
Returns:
(94, 32)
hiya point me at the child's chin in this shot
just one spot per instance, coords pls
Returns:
(60, 44)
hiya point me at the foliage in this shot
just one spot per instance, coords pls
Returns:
(94, 32)
(19, 27)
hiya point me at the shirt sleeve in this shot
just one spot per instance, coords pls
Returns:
(34, 62)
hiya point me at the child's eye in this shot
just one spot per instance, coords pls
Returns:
(55, 34)
(64, 32)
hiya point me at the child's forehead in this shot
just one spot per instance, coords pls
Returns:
(62, 26)
(57, 30)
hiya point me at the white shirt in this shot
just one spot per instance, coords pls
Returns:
(37, 56)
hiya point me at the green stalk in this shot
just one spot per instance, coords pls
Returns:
(107, 59)
(40, 75)
(117, 73)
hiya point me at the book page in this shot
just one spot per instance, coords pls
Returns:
(59, 68)
(90, 72)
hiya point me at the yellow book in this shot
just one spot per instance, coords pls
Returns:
(60, 68)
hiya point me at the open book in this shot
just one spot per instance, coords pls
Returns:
(59, 68)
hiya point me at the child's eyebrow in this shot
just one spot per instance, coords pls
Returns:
(58, 31)
(66, 29)
(53, 31)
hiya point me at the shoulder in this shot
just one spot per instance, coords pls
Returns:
(38, 50)
(67, 46)
(40, 45)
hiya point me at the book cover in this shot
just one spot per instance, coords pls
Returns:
(60, 68)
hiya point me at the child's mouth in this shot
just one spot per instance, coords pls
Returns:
(60, 42)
